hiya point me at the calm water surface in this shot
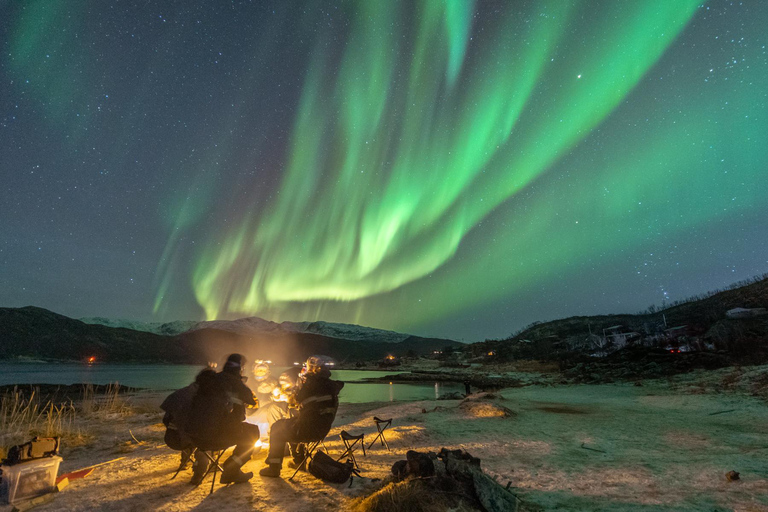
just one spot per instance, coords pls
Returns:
(167, 377)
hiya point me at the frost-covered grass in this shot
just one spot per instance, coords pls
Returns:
(655, 447)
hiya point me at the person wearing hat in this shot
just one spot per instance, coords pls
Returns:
(216, 417)
(317, 400)
(273, 403)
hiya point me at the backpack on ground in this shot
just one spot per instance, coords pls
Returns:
(325, 468)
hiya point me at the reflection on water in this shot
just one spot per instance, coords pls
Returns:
(167, 377)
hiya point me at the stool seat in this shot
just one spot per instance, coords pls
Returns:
(346, 436)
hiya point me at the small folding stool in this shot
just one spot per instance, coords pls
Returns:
(381, 426)
(350, 444)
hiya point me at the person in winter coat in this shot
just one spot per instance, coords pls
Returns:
(273, 403)
(317, 400)
(216, 418)
(176, 407)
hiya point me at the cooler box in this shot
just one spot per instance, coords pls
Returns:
(29, 479)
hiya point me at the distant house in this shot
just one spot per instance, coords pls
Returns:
(679, 331)
(618, 338)
(745, 312)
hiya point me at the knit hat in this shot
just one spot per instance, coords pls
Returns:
(235, 363)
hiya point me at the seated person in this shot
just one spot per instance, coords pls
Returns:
(176, 407)
(216, 418)
(317, 400)
(273, 402)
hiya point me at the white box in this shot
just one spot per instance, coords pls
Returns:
(29, 479)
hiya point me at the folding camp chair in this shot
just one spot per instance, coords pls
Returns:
(213, 453)
(381, 426)
(311, 446)
(186, 455)
(346, 437)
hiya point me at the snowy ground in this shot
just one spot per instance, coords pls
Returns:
(608, 447)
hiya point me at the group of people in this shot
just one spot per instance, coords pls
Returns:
(219, 410)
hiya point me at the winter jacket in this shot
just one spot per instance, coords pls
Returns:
(318, 400)
(218, 407)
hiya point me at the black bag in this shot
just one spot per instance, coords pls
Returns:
(325, 468)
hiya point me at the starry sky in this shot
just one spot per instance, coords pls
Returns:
(446, 168)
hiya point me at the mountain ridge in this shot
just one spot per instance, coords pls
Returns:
(254, 326)
(37, 333)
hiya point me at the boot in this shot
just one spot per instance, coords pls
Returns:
(232, 473)
(199, 468)
(298, 463)
(271, 471)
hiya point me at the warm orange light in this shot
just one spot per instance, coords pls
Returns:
(91, 359)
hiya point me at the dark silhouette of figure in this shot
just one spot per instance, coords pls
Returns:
(216, 419)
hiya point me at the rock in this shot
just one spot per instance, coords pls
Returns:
(419, 464)
(732, 475)
(400, 470)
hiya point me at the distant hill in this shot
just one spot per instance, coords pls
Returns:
(33, 332)
(702, 318)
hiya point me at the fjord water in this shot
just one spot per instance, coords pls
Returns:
(167, 377)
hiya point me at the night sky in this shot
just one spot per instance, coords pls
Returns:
(450, 168)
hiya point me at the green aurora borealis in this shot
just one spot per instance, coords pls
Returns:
(442, 158)
(397, 154)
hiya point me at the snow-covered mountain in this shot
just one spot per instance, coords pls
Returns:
(166, 329)
(346, 331)
(255, 326)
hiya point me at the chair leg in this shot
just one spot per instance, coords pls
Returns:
(214, 466)
(380, 437)
(185, 456)
(350, 450)
(384, 441)
(310, 450)
(213, 480)
(374, 440)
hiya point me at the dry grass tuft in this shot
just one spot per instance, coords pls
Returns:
(25, 416)
(427, 495)
(109, 405)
